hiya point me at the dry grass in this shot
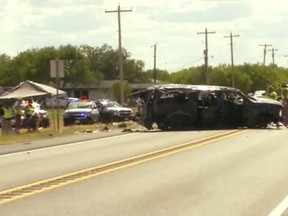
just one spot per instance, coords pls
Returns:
(52, 131)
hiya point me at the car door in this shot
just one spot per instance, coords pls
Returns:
(207, 109)
(231, 108)
(223, 108)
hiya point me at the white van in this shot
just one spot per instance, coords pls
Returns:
(52, 101)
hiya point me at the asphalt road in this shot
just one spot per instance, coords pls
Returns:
(244, 173)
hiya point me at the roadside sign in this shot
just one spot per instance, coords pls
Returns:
(57, 71)
(56, 67)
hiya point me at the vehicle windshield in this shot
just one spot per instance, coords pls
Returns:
(111, 104)
(75, 105)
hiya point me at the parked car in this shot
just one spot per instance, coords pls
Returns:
(63, 101)
(52, 101)
(176, 106)
(81, 112)
(111, 111)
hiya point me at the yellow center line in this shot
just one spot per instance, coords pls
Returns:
(59, 181)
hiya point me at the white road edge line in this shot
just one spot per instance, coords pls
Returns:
(61, 146)
(280, 208)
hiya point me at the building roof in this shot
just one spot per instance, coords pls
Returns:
(106, 84)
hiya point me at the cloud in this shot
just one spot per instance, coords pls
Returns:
(218, 13)
(173, 25)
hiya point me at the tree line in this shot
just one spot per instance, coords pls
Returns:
(90, 65)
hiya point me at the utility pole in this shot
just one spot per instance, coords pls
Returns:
(273, 55)
(206, 52)
(232, 58)
(154, 74)
(120, 52)
(265, 47)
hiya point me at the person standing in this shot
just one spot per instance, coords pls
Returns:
(1, 117)
(29, 114)
(285, 106)
(7, 115)
(271, 93)
(18, 116)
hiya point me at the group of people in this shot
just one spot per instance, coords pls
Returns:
(280, 93)
(13, 116)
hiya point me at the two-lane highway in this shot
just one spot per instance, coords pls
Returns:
(239, 172)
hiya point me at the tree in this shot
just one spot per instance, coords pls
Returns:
(5, 70)
(220, 76)
(115, 90)
(24, 67)
(133, 71)
(76, 66)
(102, 59)
(161, 76)
(42, 63)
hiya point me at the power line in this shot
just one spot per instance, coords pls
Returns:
(120, 51)
(206, 52)
(232, 58)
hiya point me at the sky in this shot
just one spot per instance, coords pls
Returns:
(175, 27)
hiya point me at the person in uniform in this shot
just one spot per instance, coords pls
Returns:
(18, 116)
(7, 116)
(285, 106)
(271, 93)
(29, 115)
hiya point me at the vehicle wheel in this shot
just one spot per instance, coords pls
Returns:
(252, 123)
(45, 123)
(162, 126)
(66, 123)
(90, 121)
(264, 120)
(179, 122)
(148, 123)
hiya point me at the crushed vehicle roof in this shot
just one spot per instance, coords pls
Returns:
(191, 87)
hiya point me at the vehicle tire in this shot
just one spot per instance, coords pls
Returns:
(45, 123)
(264, 120)
(90, 121)
(162, 126)
(251, 123)
(179, 122)
(148, 123)
(66, 123)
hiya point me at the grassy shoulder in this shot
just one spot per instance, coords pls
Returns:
(52, 131)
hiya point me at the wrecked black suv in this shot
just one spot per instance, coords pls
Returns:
(178, 106)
